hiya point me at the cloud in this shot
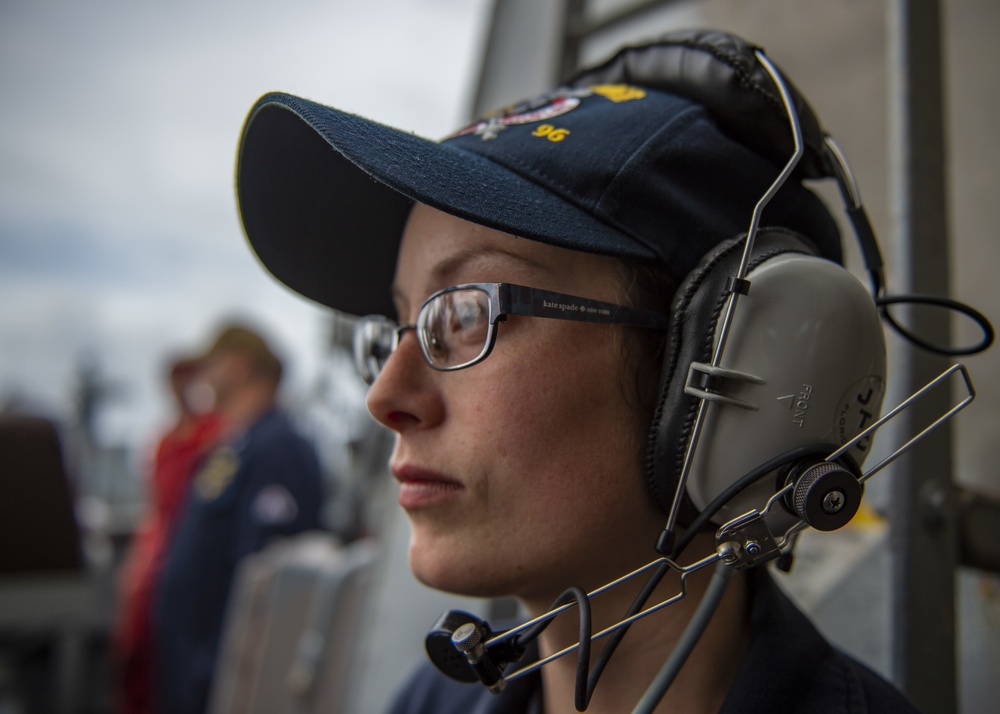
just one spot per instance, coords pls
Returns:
(119, 235)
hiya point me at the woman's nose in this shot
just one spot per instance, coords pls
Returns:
(405, 394)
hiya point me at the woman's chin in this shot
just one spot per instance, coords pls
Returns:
(458, 573)
(447, 579)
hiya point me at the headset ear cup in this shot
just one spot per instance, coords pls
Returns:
(695, 312)
(674, 418)
(808, 331)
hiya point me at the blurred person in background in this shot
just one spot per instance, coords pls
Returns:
(262, 481)
(179, 451)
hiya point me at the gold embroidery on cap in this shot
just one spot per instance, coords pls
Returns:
(551, 133)
(618, 93)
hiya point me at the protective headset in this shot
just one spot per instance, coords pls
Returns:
(804, 360)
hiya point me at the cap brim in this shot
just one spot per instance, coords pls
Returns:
(324, 196)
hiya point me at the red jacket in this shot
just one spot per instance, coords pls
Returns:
(177, 455)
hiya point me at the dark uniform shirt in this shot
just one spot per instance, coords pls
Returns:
(790, 668)
(264, 484)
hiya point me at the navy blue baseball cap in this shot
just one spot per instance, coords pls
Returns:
(614, 169)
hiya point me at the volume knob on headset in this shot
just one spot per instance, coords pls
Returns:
(826, 495)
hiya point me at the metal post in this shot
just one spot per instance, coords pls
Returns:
(922, 507)
(574, 31)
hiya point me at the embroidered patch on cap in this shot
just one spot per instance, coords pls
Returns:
(547, 106)
(618, 93)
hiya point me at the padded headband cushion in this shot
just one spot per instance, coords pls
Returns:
(695, 312)
(721, 72)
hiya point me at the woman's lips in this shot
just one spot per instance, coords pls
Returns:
(422, 488)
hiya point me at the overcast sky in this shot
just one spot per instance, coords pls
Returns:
(119, 237)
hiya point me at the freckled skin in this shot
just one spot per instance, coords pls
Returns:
(539, 435)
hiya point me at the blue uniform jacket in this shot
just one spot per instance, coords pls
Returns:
(265, 484)
(789, 668)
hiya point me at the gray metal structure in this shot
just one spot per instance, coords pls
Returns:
(922, 515)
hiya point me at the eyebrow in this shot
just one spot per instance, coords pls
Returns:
(443, 270)
(452, 264)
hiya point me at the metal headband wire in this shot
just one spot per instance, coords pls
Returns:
(739, 283)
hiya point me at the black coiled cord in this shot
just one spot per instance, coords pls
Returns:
(948, 304)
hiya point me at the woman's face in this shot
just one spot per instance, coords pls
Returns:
(522, 474)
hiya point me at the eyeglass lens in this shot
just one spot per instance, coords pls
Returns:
(453, 328)
(374, 341)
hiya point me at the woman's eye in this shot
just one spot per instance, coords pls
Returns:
(466, 315)
(435, 344)
(454, 326)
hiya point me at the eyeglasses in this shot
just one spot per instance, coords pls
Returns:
(456, 327)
